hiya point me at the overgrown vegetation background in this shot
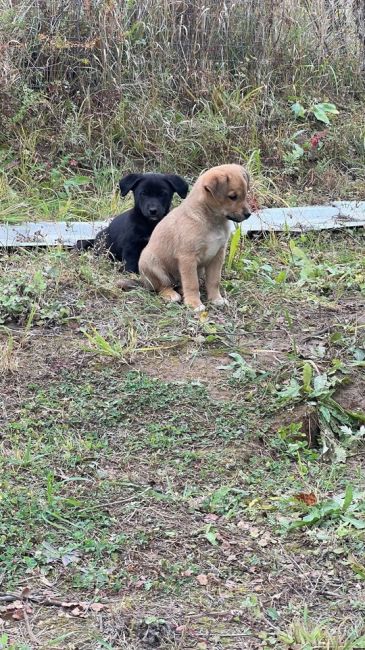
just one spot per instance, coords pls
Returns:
(93, 88)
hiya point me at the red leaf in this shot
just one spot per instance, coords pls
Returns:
(309, 499)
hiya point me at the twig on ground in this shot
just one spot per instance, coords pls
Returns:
(30, 632)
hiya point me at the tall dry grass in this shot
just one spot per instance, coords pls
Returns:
(169, 83)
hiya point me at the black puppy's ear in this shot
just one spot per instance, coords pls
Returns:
(178, 184)
(129, 182)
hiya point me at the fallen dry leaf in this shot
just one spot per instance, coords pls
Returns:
(18, 615)
(202, 579)
(211, 517)
(264, 540)
(309, 499)
(17, 604)
(97, 607)
(77, 611)
(15, 610)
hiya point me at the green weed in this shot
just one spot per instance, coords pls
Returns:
(321, 112)
(346, 509)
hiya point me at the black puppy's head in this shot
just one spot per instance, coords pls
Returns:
(153, 192)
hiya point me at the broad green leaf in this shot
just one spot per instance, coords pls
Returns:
(320, 384)
(336, 337)
(291, 391)
(307, 377)
(211, 536)
(340, 454)
(298, 109)
(296, 251)
(329, 508)
(359, 524)
(273, 613)
(313, 516)
(76, 181)
(233, 247)
(328, 108)
(359, 354)
(359, 643)
(297, 151)
(281, 277)
(320, 114)
(325, 412)
(348, 497)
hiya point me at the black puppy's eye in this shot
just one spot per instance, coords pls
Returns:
(233, 197)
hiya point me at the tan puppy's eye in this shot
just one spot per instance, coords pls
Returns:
(233, 197)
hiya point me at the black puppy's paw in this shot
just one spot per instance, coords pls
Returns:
(83, 244)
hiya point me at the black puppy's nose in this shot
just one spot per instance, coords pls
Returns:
(247, 215)
(153, 212)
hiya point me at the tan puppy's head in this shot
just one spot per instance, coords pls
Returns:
(226, 190)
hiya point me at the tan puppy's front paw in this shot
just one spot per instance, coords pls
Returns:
(200, 308)
(220, 302)
(170, 295)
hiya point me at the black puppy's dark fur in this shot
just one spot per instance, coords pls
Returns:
(128, 233)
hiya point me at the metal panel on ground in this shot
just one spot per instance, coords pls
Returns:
(341, 214)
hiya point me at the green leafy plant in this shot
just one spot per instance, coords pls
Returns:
(307, 634)
(336, 423)
(6, 644)
(292, 157)
(107, 348)
(224, 501)
(325, 276)
(240, 368)
(25, 300)
(234, 247)
(293, 441)
(347, 508)
(321, 111)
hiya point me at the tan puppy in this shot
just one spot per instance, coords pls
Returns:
(193, 237)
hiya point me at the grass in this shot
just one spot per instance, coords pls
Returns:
(79, 111)
(168, 480)
(81, 187)
(159, 464)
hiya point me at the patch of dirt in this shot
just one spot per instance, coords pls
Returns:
(299, 414)
(185, 367)
(352, 396)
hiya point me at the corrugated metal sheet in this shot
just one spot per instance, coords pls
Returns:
(341, 214)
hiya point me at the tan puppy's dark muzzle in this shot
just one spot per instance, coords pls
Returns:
(239, 219)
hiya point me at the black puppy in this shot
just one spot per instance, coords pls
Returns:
(128, 233)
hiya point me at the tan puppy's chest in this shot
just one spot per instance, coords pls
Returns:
(213, 243)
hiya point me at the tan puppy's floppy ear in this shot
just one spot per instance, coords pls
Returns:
(214, 184)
